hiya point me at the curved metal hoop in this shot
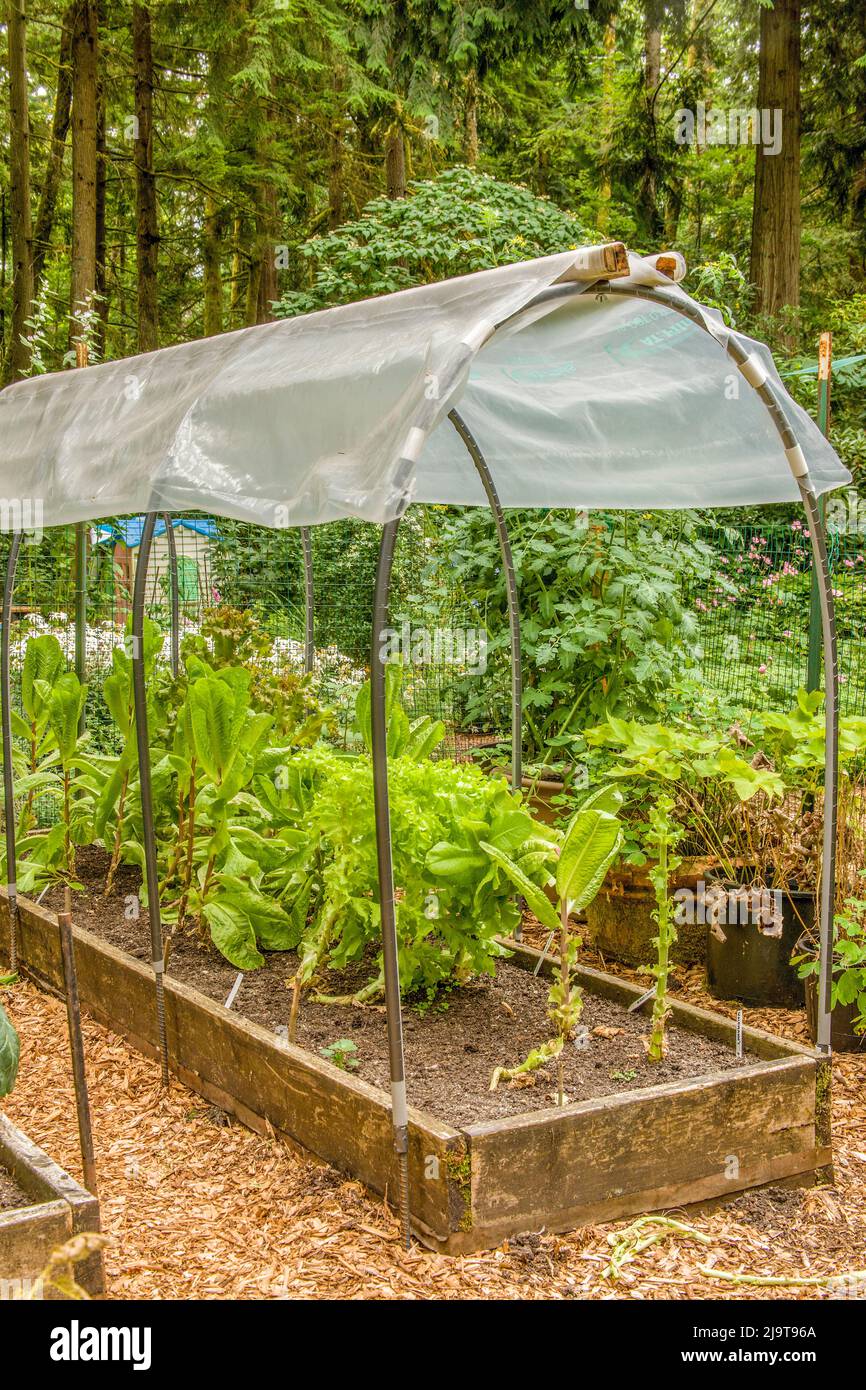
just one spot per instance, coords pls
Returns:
(309, 612)
(388, 917)
(143, 747)
(8, 780)
(174, 581)
(511, 593)
(818, 540)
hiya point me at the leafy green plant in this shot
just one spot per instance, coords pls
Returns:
(604, 629)
(451, 225)
(111, 803)
(343, 1054)
(55, 766)
(43, 664)
(231, 637)
(706, 772)
(848, 962)
(683, 777)
(10, 1049)
(589, 846)
(217, 742)
(662, 838)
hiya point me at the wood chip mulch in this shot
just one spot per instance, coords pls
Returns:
(197, 1206)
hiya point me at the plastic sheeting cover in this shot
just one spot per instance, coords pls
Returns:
(582, 401)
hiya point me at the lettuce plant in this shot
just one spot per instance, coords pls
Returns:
(55, 766)
(110, 812)
(591, 842)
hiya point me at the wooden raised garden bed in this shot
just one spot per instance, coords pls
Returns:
(472, 1185)
(53, 1208)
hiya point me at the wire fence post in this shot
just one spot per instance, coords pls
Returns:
(825, 369)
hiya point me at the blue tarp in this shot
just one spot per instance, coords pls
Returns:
(128, 531)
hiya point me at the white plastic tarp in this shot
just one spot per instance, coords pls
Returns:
(586, 401)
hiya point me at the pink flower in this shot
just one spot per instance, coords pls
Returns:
(762, 670)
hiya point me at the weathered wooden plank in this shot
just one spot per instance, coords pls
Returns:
(26, 1244)
(221, 1054)
(648, 1148)
(27, 1237)
(657, 1147)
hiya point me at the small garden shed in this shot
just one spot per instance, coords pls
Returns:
(194, 540)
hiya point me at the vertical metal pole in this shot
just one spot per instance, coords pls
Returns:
(174, 589)
(825, 367)
(76, 1047)
(309, 611)
(8, 780)
(831, 763)
(390, 957)
(757, 378)
(81, 611)
(511, 593)
(141, 736)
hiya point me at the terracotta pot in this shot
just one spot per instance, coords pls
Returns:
(620, 919)
(538, 794)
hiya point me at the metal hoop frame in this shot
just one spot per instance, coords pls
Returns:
(379, 750)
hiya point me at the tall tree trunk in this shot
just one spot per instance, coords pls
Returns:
(268, 284)
(395, 163)
(101, 282)
(146, 216)
(775, 261)
(237, 273)
(254, 281)
(648, 193)
(336, 202)
(54, 165)
(18, 357)
(262, 280)
(84, 103)
(211, 259)
(470, 120)
(608, 76)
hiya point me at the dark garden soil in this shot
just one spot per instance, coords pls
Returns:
(452, 1046)
(11, 1195)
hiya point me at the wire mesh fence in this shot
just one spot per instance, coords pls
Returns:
(753, 615)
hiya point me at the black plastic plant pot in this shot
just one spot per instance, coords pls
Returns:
(843, 1038)
(753, 967)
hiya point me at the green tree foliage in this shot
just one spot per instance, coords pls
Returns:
(454, 224)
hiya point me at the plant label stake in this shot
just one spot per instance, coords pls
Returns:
(543, 957)
(233, 992)
(641, 1000)
(739, 1032)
